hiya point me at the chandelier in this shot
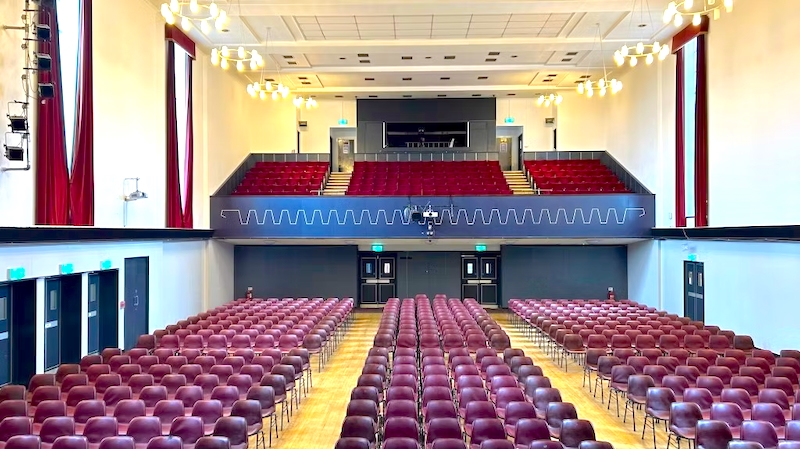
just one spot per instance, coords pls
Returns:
(224, 57)
(603, 85)
(547, 100)
(309, 102)
(648, 52)
(191, 11)
(263, 89)
(677, 10)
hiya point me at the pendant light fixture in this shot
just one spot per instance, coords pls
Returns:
(265, 88)
(189, 14)
(239, 57)
(547, 100)
(603, 85)
(680, 12)
(646, 51)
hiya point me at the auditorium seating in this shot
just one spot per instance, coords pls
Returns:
(710, 385)
(219, 373)
(561, 177)
(428, 178)
(284, 178)
(437, 373)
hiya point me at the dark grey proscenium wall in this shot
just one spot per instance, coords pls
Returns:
(480, 112)
(430, 273)
(297, 271)
(563, 272)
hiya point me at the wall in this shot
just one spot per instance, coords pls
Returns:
(563, 272)
(536, 135)
(219, 269)
(428, 272)
(16, 187)
(753, 137)
(582, 122)
(315, 138)
(644, 273)
(297, 271)
(177, 277)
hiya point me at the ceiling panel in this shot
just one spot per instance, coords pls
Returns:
(350, 80)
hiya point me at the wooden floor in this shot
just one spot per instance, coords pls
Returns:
(317, 423)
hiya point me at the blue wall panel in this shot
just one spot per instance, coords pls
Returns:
(574, 216)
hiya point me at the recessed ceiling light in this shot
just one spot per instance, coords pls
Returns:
(553, 74)
(449, 57)
(642, 25)
(547, 80)
(338, 96)
(441, 95)
(292, 62)
(476, 95)
(369, 79)
(427, 57)
(363, 55)
(491, 59)
(373, 96)
(302, 77)
(306, 82)
(364, 61)
(579, 82)
(572, 53)
(407, 57)
(513, 56)
(406, 96)
(288, 56)
(483, 77)
(586, 76)
(342, 59)
(271, 80)
(444, 78)
(566, 60)
(494, 53)
(511, 94)
(406, 79)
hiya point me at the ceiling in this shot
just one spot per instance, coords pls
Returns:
(428, 47)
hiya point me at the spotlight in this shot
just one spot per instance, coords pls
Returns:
(46, 90)
(416, 216)
(44, 62)
(19, 124)
(43, 32)
(15, 153)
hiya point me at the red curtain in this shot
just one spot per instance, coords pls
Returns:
(174, 212)
(52, 182)
(680, 148)
(188, 210)
(81, 188)
(701, 136)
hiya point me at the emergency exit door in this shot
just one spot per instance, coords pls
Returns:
(479, 278)
(52, 311)
(694, 290)
(378, 278)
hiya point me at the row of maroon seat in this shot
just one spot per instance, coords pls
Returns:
(283, 178)
(587, 176)
(189, 393)
(711, 387)
(428, 178)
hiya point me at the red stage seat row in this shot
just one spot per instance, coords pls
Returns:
(574, 177)
(428, 178)
(283, 178)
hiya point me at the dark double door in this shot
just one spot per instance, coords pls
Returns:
(378, 278)
(137, 288)
(479, 278)
(694, 290)
(17, 332)
(62, 320)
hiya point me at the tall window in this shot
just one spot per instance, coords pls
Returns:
(69, 13)
(689, 129)
(181, 62)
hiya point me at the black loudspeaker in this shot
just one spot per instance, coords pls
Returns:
(44, 62)
(416, 216)
(15, 154)
(43, 32)
(46, 90)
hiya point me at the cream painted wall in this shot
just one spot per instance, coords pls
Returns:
(536, 135)
(16, 187)
(582, 123)
(753, 117)
(316, 137)
(640, 131)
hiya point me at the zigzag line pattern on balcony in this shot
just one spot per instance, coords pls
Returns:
(397, 216)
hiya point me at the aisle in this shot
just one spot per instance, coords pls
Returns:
(607, 426)
(319, 420)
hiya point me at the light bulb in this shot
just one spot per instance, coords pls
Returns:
(280, 86)
(619, 85)
(547, 103)
(603, 92)
(551, 97)
(193, 6)
(285, 92)
(254, 54)
(268, 86)
(712, 2)
(656, 47)
(634, 61)
(165, 11)
(250, 90)
(672, 6)
(253, 64)
(640, 48)
(275, 95)
(649, 60)
(225, 51)
(260, 61)
(559, 99)
(696, 20)
(186, 24)
(678, 20)
(219, 24)
(262, 95)
(668, 16)
(174, 6)
(215, 57)
(240, 52)
(309, 104)
(590, 93)
(205, 27)
(624, 50)
(716, 14)
(213, 10)
(541, 97)
(688, 4)
(581, 89)
(662, 55)
(240, 66)
(618, 58)
(728, 5)
(224, 64)
(223, 16)
(601, 83)
(297, 101)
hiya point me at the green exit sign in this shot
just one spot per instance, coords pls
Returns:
(105, 265)
(377, 248)
(15, 274)
(480, 248)
(66, 268)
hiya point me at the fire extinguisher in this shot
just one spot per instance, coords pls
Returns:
(611, 296)
(249, 294)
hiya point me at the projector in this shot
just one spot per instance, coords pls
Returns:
(430, 214)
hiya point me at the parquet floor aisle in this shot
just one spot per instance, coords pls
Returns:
(316, 425)
(607, 426)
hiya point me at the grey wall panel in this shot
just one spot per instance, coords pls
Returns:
(311, 271)
(563, 272)
(429, 273)
(427, 110)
